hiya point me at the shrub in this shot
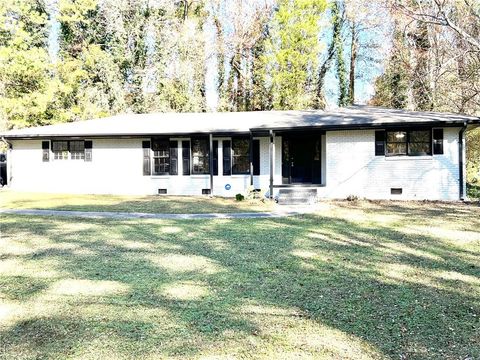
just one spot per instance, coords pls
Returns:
(352, 198)
(239, 197)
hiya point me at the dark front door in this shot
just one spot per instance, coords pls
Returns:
(301, 160)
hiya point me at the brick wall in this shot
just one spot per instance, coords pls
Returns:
(353, 169)
(350, 168)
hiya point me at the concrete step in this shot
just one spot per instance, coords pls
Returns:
(290, 196)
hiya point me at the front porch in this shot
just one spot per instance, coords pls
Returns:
(301, 166)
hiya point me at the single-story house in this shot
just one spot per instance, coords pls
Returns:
(361, 151)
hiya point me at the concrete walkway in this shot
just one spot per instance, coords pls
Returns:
(284, 212)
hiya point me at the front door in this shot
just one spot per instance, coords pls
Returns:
(301, 160)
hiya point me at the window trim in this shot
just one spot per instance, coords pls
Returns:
(407, 141)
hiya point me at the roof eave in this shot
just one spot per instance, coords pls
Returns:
(259, 130)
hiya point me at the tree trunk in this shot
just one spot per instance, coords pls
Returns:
(320, 102)
(353, 60)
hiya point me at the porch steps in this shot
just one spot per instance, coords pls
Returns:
(300, 196)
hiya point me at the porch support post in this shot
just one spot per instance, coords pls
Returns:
(251, 159)
(272, 152)
(210, 160)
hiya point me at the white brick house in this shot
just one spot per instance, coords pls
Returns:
(361, 151)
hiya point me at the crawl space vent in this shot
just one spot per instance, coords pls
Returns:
(396, 191)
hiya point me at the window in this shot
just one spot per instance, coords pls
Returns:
(60, 150)
(415, 142)
(396, 143)
(161, 156)
(73, 149)
(240, 156)
(200, 156)
(438, 141)
(77, 150)
(420, 142)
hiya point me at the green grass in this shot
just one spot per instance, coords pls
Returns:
(147, 204)
(473, 191)
(356, 280)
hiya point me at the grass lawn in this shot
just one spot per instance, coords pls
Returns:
(146, 204)
(356, 280)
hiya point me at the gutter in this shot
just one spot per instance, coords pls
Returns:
(461, 157)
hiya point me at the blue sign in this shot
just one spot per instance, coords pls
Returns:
(228, 187)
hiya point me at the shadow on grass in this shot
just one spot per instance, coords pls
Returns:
(379, 284)
(147, 204)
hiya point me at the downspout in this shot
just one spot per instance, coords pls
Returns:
(9, 161)
(461, 157)
(210, 162)
(271, 155)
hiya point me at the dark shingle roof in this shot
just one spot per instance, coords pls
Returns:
(242, 122)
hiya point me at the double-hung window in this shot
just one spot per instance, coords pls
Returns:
(240, 155)
(77, 150)
(68, 149)
(161, 156)
(60, 150)
(200, 156)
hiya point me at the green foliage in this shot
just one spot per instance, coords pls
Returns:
(473, 155)
(27, 92)
(292, 53)
(473, 192)
(239, 197)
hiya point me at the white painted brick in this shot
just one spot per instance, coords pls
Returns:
(353, 169)
(350, 168)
